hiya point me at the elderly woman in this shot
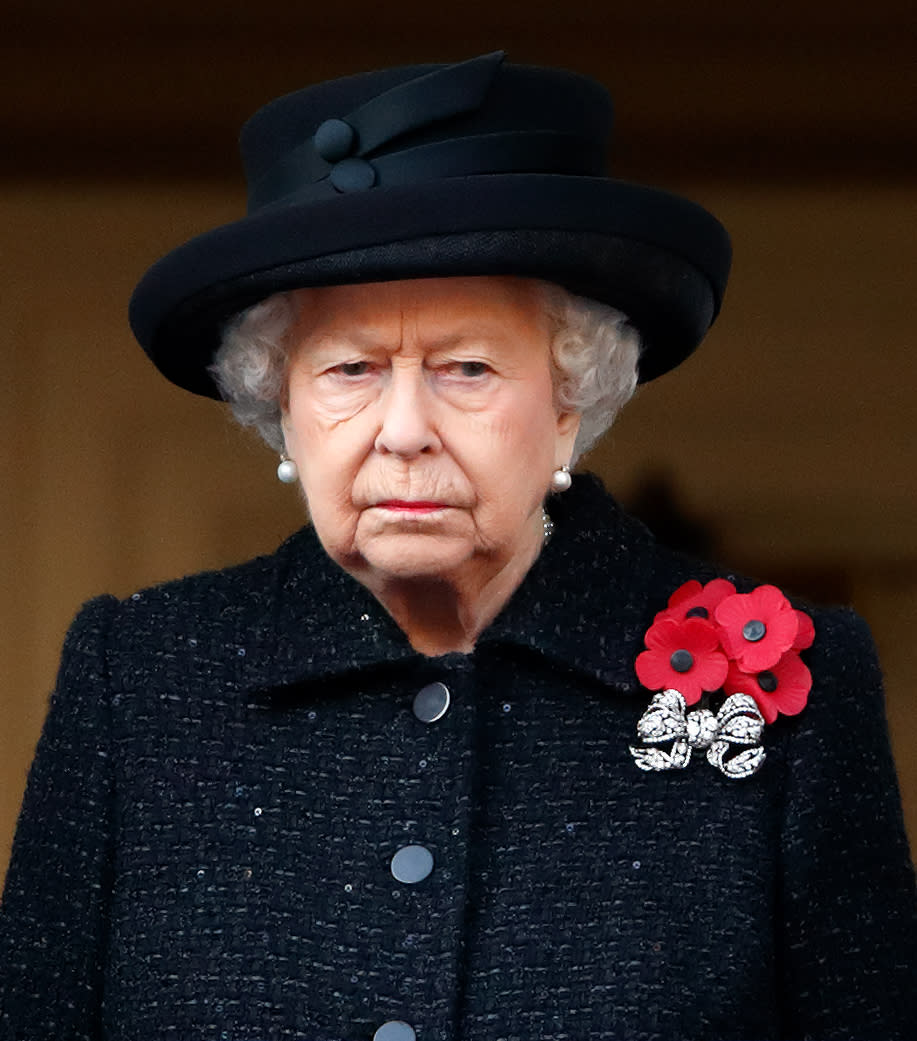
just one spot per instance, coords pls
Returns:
(472, 756)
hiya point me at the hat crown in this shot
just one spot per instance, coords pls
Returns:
(435, 171)
(485, 116)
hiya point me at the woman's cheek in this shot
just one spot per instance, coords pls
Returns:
(329, 397)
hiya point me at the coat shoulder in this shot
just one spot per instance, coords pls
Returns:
(234, 583)
(171, 628)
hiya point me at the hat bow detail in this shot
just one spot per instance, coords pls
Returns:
(338, 157)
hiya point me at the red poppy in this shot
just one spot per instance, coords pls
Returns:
(784, 687)
(806, 633)
(757, 628)
(684, 656)
(692, 600)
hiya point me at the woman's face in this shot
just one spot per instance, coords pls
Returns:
(420, 415)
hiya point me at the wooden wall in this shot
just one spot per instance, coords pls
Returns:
(788, 438)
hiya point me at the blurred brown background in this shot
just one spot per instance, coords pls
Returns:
(785, 445)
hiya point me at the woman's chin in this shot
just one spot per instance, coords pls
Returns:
(415, 555)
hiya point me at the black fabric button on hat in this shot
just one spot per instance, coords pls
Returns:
(352, 175)
(478, 168)
(334, 140)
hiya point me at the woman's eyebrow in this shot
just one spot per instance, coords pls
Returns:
(364, 339)
(492, 331)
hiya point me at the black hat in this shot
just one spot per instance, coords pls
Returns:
(480, 168)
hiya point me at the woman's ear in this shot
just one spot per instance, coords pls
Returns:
(287, 432)
(567, 429)
(283, 399)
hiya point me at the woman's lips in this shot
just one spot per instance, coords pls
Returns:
(410, 505)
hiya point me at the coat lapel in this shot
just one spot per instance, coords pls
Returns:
(315, 621)
(589, 598)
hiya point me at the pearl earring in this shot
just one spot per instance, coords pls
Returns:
(561, 479)
(287, 471)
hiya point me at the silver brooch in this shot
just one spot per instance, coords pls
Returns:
(737, 723)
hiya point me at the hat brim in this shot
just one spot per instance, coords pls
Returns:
(659, 258)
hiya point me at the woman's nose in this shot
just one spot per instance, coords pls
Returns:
(406, 427)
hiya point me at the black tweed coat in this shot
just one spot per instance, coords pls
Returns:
(231, 761)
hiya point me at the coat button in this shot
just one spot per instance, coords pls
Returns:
(431, 702)
(412, 864)
(395, 1030)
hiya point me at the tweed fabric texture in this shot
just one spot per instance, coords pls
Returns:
(230, 762)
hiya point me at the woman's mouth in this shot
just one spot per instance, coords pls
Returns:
(413, 506)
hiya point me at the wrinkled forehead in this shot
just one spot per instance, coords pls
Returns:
(421, 311)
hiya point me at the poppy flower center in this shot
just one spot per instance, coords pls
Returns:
(754, 630)
(767, 681)
(697, 612)
(681, 660)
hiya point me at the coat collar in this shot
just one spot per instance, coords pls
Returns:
(590, 597)
(584, 605)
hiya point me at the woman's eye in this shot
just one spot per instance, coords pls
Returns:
(472, 369)
(352, 368)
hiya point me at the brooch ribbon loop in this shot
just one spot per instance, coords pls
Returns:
(738, 722)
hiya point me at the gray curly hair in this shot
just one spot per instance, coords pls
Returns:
(594, 353)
